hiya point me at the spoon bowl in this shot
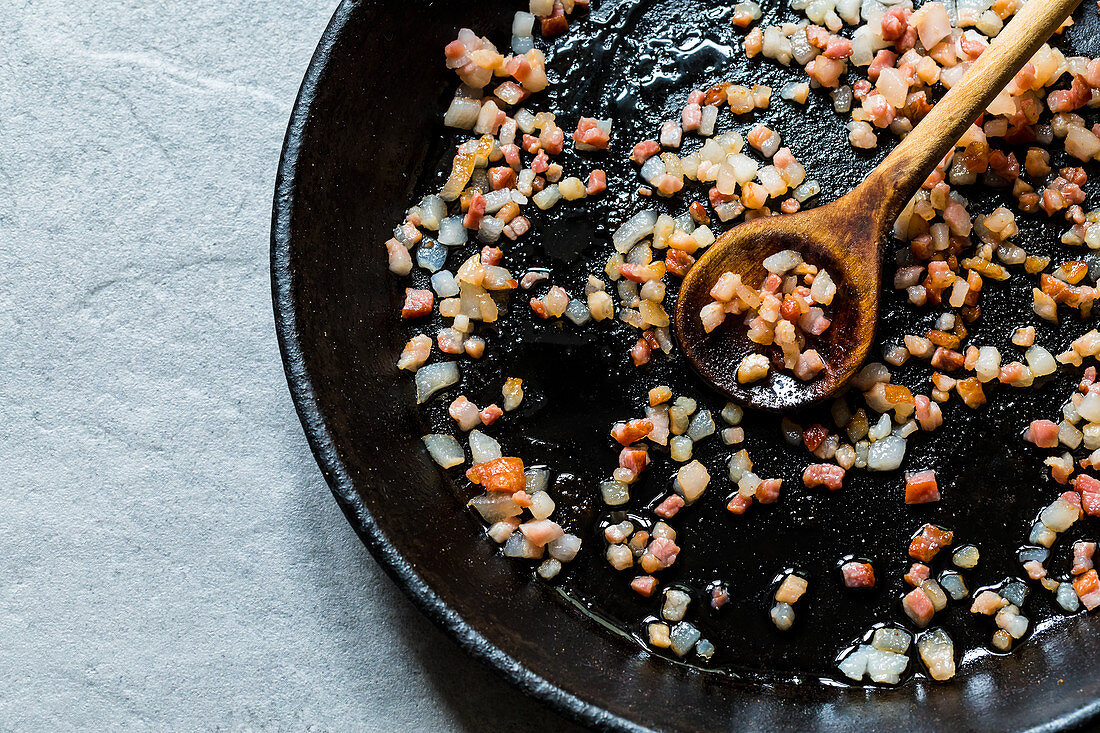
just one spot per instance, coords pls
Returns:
(834, 237)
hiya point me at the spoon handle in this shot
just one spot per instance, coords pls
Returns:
(899, 176)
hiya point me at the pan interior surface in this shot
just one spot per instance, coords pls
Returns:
(365, 142)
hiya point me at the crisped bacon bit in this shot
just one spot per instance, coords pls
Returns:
(540, 531)
(828, 475)
(418, 303)
(894, 24)
(541, 162)
(1090, 493)
(1043, 433)
(813, 436)
(1087, 586)
(678, 262)
(929, 541)
(883, 60)
(539, 308)
(719, 596)
(921, 488)
(660, 554)
(589, 133)
(918, 607)
(668, 508)
(645, 150)
(768, 490)
(858, 574)
(947, 360)
(597, 182)
(502, 176)
(557, 23)
(644, 585)
(1082, 557)
(631, 432)
(476, 211)
(838, 48)
(522, 498)
(634, 459)
(739, 504)
(491, 255)
(490, 414)
(499, 474)
(641, 353)
(918, 573)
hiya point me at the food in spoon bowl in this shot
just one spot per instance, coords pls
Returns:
(679, 465)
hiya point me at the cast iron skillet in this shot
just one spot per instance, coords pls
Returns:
(363, 142)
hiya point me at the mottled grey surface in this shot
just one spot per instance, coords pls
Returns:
(171, 555)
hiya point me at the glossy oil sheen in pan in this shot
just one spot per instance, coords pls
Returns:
(363, 142)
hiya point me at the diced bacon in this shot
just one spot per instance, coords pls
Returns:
(644, 585)
(418, 303)
(557, 23)
(719, 596)
(540, 531)
(491, 255)
(475, 213)
(858, 574)
(809, 365)
(918, 607)
(817, 36)
(664, 550)
(499, 474)
(768, 490)
(828, 475)
(987, 603)
(739, 504)
(502, 176)
(918, 573)
(631, 432)
(597, 182)
(589, 133)
(691, 117)
(640, 353)
(464, 412)
(1088, 378)
(894, 24)
(511, 155)
(416, 352)
(531, 144)
(634, 459)
(669, 507)
(455, 51)
(883, 59)
(1087, 585)
(490, 414)
(541, 162)
(838, 48)
(929, 541)
(1067, 100)
(813, 436)
(921, 488)
(1082, 557)
(1043, 433)
(678, 262)
(645, 150)
(928, 414)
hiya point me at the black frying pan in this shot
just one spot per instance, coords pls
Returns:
(365, 141)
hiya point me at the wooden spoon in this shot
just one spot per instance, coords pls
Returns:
(848, 236)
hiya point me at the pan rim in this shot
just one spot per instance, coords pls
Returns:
(327, 454)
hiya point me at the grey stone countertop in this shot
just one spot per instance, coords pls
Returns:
(172, 557)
